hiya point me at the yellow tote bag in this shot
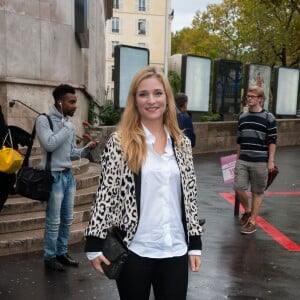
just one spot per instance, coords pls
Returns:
(10, 159)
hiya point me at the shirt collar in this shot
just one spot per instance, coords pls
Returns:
(150, 138)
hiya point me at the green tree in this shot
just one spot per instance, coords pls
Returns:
(109, 115)
(258, 31)
(175, 82)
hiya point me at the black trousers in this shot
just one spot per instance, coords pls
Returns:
(167, 276)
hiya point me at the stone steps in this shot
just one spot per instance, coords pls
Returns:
(15, 205)
(29, 241)
(22, 220)
(36, 219)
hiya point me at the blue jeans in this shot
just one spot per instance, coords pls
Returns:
(59, 214)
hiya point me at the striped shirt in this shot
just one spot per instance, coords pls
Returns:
(256, 130)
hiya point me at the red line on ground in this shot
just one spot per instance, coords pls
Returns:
(277, 235)
(272, 231)
(271, 193)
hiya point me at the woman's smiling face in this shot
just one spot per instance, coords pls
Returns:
(151, 100)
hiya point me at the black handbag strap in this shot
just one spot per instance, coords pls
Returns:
(30, 144)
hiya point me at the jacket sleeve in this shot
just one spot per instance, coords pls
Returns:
(186, 124)
(104, 208)
(189, 188)
(271, 129)
(189, 132)
(49, 140)
(77, 153)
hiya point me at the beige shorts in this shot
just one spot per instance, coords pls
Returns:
(253, 173)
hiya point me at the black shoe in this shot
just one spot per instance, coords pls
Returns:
(53, 264)
(202, 222)
(67, 260)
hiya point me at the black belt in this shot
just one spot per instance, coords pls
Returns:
(65, 170)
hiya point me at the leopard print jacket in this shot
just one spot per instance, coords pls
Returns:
(118, 197)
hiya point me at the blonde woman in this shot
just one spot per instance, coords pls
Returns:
(148, 190)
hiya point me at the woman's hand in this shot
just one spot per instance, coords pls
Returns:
(96, 263)
(195, 262)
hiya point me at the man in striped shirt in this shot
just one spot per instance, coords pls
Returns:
(256, 146)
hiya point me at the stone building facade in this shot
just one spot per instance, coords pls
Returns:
(48, 42)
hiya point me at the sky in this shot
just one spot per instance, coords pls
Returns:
(185, 10)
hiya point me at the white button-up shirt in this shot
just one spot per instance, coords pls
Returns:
(160, 230)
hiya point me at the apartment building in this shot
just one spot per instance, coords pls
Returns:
(139, 23)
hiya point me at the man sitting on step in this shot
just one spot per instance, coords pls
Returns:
(61, 142)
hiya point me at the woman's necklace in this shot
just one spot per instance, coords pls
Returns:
(162, 134)
(160, 142)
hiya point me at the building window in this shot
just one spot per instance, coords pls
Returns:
(113, 45)
(142, 26)
(142, 5)
(112, 73)
(116, 4)
(115, 24)
(81, 23)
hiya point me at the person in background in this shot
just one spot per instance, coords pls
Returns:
(184, 119)
(256, 146)
(148, 190)
(19, 137)
(7, 180)
(61, 142)
(185, 123)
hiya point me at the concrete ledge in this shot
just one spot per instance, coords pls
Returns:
(217, 136)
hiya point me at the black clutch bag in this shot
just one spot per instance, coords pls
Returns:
(116, 252)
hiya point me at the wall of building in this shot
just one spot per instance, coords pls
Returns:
(221, 136)
(39, 51)
(40, 42)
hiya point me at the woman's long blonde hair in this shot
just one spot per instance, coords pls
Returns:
(130, 130)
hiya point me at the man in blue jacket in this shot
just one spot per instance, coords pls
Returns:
(61, 142)
(184, 120)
